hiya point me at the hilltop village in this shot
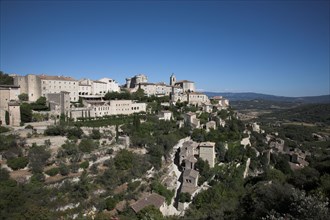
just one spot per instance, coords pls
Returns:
(94, 149)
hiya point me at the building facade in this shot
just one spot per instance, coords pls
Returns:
(207, 152)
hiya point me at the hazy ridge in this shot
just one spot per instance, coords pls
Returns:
(247, 96)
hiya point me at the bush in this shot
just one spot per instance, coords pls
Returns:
(95, 134)
(64, 170)
(84, 165)
(3, 129)
(53, 171)
(161, 190)
(29, 127)
(74, 132)
(17, 163)
(86, 145)
(184, 197)
(111, 203)
(55, 130)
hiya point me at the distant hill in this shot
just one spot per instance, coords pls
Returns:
(247, 96)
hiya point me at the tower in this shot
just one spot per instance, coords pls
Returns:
(172, 80)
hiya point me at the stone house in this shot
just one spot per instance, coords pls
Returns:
(207, 152)
(165, 115)
(210, 125)
(154, 199)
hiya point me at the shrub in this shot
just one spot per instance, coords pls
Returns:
(29, 127)
(64, 170)
(3, 129)
(86, 145)
(17, 163)
(184, 197)
(53, 171)
(84, 165)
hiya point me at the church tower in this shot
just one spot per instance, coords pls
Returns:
(172, 80)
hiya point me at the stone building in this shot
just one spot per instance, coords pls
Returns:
(186, 85)
(220, 102)
(187, 154)
(100, 108)
(59, 102)
(154, 199)
(134, 81)
(111, 85)
(14, 113)
(210, 125)
(207, 152)
(29, 84)
(165, 115)
(8, 93)
(191, 119)
(97, 87)
(156, 89)
(56, 84)
(40, 85)
(197, 98)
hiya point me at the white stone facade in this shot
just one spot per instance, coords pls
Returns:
(207, 152)
(107, 108)
(111, 85)
(197, 98)
(29, 84)
(56, 84)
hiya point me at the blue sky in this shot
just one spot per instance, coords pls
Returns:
(272, 47)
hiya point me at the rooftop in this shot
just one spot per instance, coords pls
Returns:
(8, 86)
(207, 144)
(184, 81)
(153, 199)
(46, 77)
(190, 173)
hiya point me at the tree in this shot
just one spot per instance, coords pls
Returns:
(150, 213)
(38, 155)
(87, 145)
(23, 97)
(17, 163)
(7, 118)
(138, 95)
(26, 112)
(41, 101)
(5, 79)
(184, 197)
(95, 134)
(124, 160)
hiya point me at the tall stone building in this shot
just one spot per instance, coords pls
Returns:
(40, 85)
(8, 93)
(135, 81)
(207, 152)
(29, 84)
(14, 113)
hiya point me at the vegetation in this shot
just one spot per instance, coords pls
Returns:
(5, 79)
(18, 162)
(89, 172)
(23, 97)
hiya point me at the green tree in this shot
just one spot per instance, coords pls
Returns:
(7, 118)
(87, 145)
(26, 112)
(38, 155)
(23, 97)
(124, 160)
(17, 163)
(184, 197)
(150, 213)
(5, 79)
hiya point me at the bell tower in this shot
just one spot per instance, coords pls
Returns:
(172, 80)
